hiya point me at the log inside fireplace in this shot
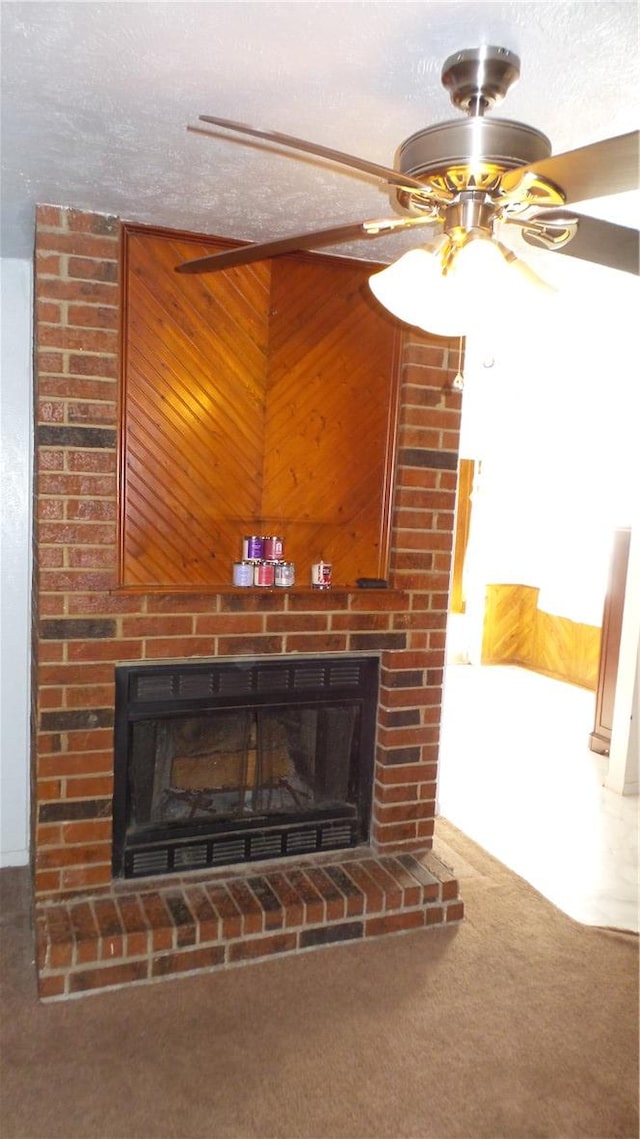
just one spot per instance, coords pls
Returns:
(227, 761)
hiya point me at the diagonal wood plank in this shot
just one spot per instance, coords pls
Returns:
(195, 376)
(258, 399)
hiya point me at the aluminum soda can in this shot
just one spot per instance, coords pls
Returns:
(284, 574)
(321, 575)
(243, 573)
(272, 548)
(252, 548)
(263, 573)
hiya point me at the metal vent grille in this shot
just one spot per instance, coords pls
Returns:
(235, 680)
(300, 841)
(149, 862)
(210, 680)
(335, 836)
(311, 677)
(153, 687)
(341, 675)
(193, 684)
(272, 680)
(264, 845)
(190, 856)
(229, 850)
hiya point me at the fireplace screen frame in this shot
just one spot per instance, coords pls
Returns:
(195, 689)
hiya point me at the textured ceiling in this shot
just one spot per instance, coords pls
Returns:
(96, 98)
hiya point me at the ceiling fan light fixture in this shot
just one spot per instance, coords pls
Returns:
(417, 290)
(467, 178)
(403, 288)
(451, 289)
(477, 266)
(523, 274)
(442, 290)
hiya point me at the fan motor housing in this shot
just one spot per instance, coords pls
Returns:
(462, 154)
(463, 142)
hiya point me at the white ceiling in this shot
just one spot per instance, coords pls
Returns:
(96, 98)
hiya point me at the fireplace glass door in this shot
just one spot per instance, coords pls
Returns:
(283, 766)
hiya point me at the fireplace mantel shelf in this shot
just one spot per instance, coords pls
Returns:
(338, 594)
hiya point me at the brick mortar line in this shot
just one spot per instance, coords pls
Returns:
(94, 400)
(64, 275)
(66, 351)
(107, 257)
(64, 323)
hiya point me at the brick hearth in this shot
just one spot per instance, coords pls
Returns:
(85, 624)
(182, 925)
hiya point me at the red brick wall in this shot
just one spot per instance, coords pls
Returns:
(84, 626)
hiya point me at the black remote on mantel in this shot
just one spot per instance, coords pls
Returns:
(371, 583)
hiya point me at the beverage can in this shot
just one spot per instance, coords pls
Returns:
(321, 575)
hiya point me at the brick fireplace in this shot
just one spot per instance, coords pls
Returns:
(94, 932)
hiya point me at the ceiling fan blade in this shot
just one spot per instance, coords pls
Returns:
(602, 242)
(245, 254)
(394, 177)
(595, 171)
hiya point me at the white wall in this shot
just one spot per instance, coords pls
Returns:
(550, 407)
(547, 410)
(15, 557)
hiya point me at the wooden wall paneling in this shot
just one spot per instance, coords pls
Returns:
(517, 632)
(508, 623)
(466, 475)
(565, 649)
(195, 374)
(257, 399)
(330, 417)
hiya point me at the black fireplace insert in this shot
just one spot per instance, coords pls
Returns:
(227, 761)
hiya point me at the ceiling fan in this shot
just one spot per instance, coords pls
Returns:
(468, 182)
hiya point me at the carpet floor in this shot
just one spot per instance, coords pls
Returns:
(518, 1024)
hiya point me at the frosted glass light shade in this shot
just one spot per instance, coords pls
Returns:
(414, 289)
(478, 267)
(483, 267)
(481, 286)
(402, 286)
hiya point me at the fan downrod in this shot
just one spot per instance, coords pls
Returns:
(472, 154)
(479, 77)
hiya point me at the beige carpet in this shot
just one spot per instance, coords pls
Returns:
(519, 1024)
